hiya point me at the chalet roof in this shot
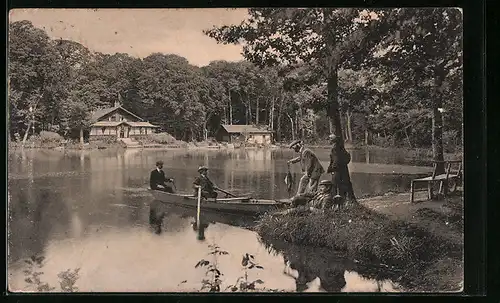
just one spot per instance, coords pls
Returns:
(234, 129)
(96, 115)
(116, 123)
(140, 124)
(107, 123)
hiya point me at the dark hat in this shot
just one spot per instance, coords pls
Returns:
(202, 168)
(295, 143)
(325, 182)
(158, 163)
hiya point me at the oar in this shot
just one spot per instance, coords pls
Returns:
(226, 192)
(198, 208)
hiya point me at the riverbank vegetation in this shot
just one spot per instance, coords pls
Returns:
(361, 234)
(55, 84)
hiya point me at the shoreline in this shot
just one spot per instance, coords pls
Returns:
(388, 230)
(424, 152)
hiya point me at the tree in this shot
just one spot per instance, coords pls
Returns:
(173, 91)
(324, 36)
(36, 77)
(429, 43)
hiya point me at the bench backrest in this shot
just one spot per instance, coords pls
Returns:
(449, 165)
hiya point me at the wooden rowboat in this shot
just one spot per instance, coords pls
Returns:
(238, 205)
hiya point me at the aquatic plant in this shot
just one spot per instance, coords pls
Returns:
(242, 284)
(214, 283)
(67, 278)
(32, 274)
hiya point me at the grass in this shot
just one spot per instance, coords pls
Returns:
(361, 234)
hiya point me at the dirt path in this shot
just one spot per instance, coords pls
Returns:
(442, 218)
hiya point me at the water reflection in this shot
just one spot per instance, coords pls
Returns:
(318, 269)
(92, 209)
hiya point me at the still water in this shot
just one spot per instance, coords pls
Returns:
(90, 210)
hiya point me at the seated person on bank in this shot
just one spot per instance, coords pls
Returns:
(157, 179)
(208, 189)
(318, 202)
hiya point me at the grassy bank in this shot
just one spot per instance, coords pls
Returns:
(372, 238)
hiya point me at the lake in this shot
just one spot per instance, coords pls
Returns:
(90, 210)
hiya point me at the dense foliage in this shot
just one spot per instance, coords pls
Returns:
(394, 72)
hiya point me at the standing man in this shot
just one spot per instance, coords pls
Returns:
(339, 159)
(310, 166)
(207, 186)
(157, 180)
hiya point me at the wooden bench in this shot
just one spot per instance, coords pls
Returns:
(449, 177)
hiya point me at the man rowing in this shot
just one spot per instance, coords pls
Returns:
(208, 189)
(310, 166)
(157, 179)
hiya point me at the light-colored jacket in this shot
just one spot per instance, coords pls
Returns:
(309, 163)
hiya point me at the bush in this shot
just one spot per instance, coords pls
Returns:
(46, 136)
(451, 141)
(162, 138)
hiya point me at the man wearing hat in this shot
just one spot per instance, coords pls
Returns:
(339, 159)
(310, 166)
(157, 180)
(208, 189)
(323, 199)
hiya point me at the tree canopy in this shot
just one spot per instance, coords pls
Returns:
(386, 71)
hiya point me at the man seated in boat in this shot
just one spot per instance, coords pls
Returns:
(208, 189)
(158, 181)
(322, 200)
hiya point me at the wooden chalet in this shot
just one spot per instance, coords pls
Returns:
(244, 133)
(119, 123)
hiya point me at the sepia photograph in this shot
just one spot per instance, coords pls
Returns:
(235, 150)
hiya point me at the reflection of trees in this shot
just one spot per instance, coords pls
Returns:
(312, 262)
(108, 172)
(33, 222)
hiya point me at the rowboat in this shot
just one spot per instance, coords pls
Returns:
(238, 205)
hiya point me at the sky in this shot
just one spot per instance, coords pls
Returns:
(140, 32)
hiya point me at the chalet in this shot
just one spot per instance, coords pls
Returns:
(244, 133)
(119, 123)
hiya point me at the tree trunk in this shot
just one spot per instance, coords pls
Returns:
(291, 121)
(334, 114)
(280, 115)
(225, 120)
(271, 115)
(205, 130)
(437, 126)
(248, 112)
(25, 137)
(297, 125)
(437, 137)
(333, 108)
(349, 126)
(81, 136)
(367, 140)
(230, 109)
(408, 137)
(257, 112)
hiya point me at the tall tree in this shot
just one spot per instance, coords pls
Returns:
(36, 77)
(425, 51)
(328, 37)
